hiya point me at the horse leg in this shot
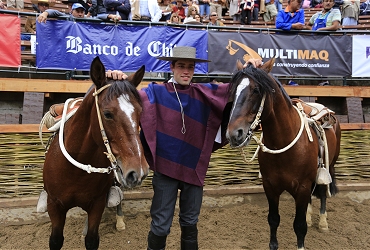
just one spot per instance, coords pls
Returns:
(273, 220)
(120, 225)
(57, 217)
(300, 224)
(94, 217)
(323, 224)
(309, 214)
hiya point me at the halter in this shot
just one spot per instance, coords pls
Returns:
(88, 168)
(259, 141)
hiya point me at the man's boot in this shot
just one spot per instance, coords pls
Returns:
(156, 242)
(189, 237)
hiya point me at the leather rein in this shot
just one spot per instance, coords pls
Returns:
(88, 168)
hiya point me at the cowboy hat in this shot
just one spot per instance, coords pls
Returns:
(51, 3)
(183, 53)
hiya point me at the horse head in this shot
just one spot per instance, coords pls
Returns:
(249, 87)
(119, 109)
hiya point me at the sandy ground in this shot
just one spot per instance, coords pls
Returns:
(226, 222)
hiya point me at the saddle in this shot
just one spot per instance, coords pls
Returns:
(54, 115)
(316, 112)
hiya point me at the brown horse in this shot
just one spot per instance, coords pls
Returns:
(101, 141)
(288, 159)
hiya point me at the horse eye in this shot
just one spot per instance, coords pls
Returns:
(256, 91)
(108, 115)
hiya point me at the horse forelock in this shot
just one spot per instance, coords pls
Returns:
(123, 88)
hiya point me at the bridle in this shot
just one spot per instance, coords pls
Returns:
(88, 168)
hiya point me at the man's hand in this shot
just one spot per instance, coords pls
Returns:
(42, 18)
(116, 75)
(255, 62)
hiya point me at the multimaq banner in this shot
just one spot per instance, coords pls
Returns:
(70, 45)
(361, 56)
(10, 41)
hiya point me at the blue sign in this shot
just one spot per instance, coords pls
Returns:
(72, 46)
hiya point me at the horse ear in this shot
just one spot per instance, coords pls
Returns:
(268, 65)
(97, 73)
(136, 78)
(239, 65)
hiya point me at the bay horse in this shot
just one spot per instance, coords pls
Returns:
(98, 144)
(288, 160)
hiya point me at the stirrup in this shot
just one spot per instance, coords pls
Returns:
(115, 196)
(42, 203)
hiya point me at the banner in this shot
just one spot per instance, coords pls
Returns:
(10, 41)
(70, 45)
(360, 56)
(296, 55)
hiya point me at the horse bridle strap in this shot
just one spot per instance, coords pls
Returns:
(88, 168)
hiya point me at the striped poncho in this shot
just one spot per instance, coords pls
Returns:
(184, 157)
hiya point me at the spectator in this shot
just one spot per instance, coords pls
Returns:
(234, 10)
(306, 4)
(365, 8)
(292, 18)
(198, 19)
(327, 19)
(213, 20)
(350, 12)
(189, 4)
(42, 5)
(247, 7)
(270, 12)
(216, 7)
(179, 9)
(2, 5)
(69, 3)
(166, 8)
(97, 7)
(225, 7)
(204, 8)
(17, 4)
(145, 10)
(118, 7)
(175, 19)
(192, 11)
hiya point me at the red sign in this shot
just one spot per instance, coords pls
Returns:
(10, 41)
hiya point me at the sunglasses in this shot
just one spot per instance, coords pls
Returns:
(213, 15)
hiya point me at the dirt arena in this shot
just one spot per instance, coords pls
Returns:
(226, 222)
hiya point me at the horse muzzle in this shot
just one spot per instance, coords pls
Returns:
(239, 137)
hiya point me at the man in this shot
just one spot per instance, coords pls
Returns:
(69, 3)
(179, 9)
(327, 19)
(292, 18)
(216, 7)
(78, 11)
(180, 123)
(270, 11)
(213, 20)
(42, 5)
(145, 10)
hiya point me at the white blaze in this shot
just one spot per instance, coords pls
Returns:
(127, 107)
(245, 83)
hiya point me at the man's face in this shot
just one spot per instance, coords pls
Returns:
(295, 5)
(183, 71)
(43, 6)
(179, 3)
(213, 16)
(328, 4)
(78, 13)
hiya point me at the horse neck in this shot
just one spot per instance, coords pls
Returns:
(279, 119)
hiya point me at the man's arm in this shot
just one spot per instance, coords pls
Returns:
(49, 13)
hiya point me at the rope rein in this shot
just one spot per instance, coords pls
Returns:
(88, 168)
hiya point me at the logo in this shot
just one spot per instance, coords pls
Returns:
(367, 52)
(75, 45)
(250, 53)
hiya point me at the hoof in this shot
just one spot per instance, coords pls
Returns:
(324, 230)
(120, 225)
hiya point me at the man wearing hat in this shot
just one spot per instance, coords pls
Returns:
(69, 3)
(181, 124)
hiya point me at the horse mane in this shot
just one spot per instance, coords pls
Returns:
(265, 81)
(119, 87)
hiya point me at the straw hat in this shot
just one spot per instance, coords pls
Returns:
(50, 2)
(183, 53)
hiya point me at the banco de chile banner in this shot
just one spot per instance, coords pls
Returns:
(296, 55)
(70, 45)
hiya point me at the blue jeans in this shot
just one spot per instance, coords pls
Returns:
(279, 6)
(204, 9)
